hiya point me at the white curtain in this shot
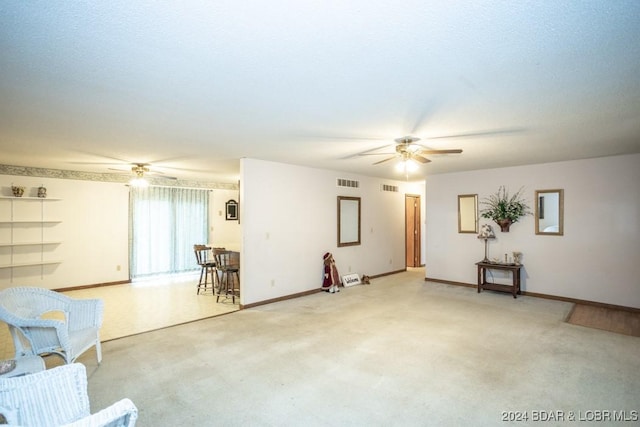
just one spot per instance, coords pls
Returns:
(165, 224)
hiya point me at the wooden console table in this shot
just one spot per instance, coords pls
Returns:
(514, 289)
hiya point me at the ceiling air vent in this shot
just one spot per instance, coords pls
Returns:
(387, 187)
(348, 183)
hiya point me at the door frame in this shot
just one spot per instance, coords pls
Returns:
(416, 225)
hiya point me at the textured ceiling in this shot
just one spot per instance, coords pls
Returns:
(193, 86)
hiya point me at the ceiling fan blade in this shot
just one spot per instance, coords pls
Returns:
(452, 151)
(117, 160)
(369, 152)
(159, 175)
(351, 138)
(96, 163)
(385, 160)
(423, 117)
(175, 168)
(420, 159)
(481, 133)
(330, 136)
(375, 154)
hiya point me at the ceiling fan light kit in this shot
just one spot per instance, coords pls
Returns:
(406, 165)
(138, 180)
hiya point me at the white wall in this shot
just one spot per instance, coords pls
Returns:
(598, 257)
(223, 233)
(289, 220)
(93, 231)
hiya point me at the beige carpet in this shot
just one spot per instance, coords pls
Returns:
(398, 352)
(607, 319)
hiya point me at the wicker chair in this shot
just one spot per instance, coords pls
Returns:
(23, 308)
(58, 397)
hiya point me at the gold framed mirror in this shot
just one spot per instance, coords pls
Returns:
(468, 213)
(550, 212)
(348, 221)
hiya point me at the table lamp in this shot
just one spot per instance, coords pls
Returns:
(486, 233)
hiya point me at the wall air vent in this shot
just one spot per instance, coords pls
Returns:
(348, 183)
(387, 187)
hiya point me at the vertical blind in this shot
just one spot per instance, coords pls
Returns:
(165, 224)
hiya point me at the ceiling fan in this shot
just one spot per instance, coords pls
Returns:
(407, 149)
(139, 170)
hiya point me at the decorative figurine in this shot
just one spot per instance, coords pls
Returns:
(331, 279)
(517, 257)
(42, 192)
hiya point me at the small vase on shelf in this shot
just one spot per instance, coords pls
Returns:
(42, 192)
(17, 191)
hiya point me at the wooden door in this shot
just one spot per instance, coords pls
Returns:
(412, 230)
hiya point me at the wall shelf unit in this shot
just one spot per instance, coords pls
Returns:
(30, 222)
(40, 199)
(23, 233)
(30, 264)
(28, 244)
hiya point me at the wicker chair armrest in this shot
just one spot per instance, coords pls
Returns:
(46, 335)
(122, 413)
(38, 323)
(85, 313)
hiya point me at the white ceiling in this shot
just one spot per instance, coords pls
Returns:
(193, 86)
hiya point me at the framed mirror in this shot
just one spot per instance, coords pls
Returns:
(348, 221)
(550, 212)
(468, 213)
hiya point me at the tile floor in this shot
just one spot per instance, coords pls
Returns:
(143, 306)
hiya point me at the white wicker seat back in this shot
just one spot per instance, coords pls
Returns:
(57, 397)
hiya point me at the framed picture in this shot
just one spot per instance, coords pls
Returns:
(232, 210)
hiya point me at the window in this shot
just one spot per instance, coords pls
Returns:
(165, 224)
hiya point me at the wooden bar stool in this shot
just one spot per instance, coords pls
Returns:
(207, 268)
(228, 266)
